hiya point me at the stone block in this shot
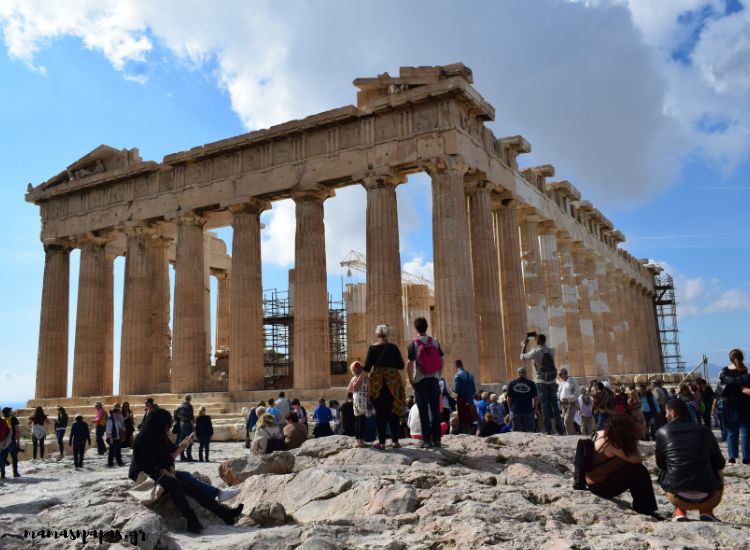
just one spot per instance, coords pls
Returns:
(237, 470)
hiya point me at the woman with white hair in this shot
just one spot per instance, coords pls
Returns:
(383, 363)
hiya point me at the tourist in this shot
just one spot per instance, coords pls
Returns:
(300, 410)
(707, 400)
(100, 421)
(149, 404)
(336, 416)
(80, 435)
(697, 400)
(568, 395)
(360, 386)
(203, 431)
(322, 416)
(504, 396)
(635, 410)
(618, 465)
(600, 402)
(284, 406)
(14, 445)
(455, 427)
(115, 432)
(650, 409)
(384, 363)
(61, 426)
(268, 438)
(348, 420)
(489, 426)
(128, 425)
(687, 397)
(523, 399)
(483, 407)
(463, 387)
(691, 464)
(447, 402)
(506, 428)
(295, 432)
(155, 455)
(425, 369)
(585, 405)
(717, 410)
(661, 398)
(621, 400)
(736, 398)
(187, 426)
(272, 409)
(545, 379)
(252, 418)
(497, 409)
(415, 423)
(672, 393)
(37, 421)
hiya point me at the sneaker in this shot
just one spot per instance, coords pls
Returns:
(226, 494)
(16, 474)
(423, 444)
(437, 444)
(746, 461)
(731, 462)
(679, 517)
(708, 516)
(657, 516)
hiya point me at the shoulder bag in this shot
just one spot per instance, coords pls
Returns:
(146, 491)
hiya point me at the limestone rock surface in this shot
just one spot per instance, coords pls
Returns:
(237, 470)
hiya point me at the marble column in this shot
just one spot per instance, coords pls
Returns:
(89, 355)
(570, 305)
(627, 350)
(609, 334)
(207, 237)
(136, 349)
(223, 300)
(109, 328)
(615, 319)
(384, 294)
(654, 322)
(312, 354)
(533, 278)
(487, 306)
(161, 360)
(648, 309)
(588, 346)
(512, 298)
(52, 358)
(640, 350)
(600, 343)
(246, 298)
(629, 293)
(553, 293)
(455, 322)
(189, 360)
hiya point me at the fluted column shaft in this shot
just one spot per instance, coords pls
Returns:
(511, 282)
(600, 343)
(570, 306)
(615, 320)
(189, 359)
(136, 346)
(52, 358)
(627, 350)
(653, 322)
(487, 306)
(607, 327)
(629, 293)
(312, 355)
(246, 299)
(553, 293)
(223, 300)
(384, 294)
(207, 292)
(455, 320)
(161, 360)
(635, 293)
(584, 309)
(533, 278)
(89, 354)
(109, 332)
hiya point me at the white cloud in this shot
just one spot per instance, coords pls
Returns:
(15, 386)
(421, 268)
(277, 246)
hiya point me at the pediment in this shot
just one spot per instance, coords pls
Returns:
(102, 159)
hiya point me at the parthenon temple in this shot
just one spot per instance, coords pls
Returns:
(514, 249)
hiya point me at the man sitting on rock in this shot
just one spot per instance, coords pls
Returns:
(523, 399)
(691, 464)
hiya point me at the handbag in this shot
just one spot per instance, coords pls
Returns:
(146, 491)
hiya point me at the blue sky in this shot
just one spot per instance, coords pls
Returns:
(643, 107)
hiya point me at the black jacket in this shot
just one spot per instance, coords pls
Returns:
(203, 426)
(79, 432)
(153, 454)
(347, 418)
(689, 457)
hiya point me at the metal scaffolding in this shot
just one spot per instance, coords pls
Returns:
(357, 261)
(337, 335)
(666, 312)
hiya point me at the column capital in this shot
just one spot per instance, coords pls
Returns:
(610, 268)
(186, 218)
(315, 192)
(221, 274)
(135, 229)
(380, 178)
(477, 183)
(160, 241)
(504, 201)
(578, 246)
(565, 237)
(62, 245)
(92, 237)
(548, 227)
(619, 274)
(249, 205)
(446, 163)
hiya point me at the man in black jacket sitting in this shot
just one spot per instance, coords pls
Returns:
(691, 464)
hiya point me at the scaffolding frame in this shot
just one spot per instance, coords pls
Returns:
(337, 335)
(666, 314)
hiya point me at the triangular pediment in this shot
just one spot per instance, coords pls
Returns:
(102, 159)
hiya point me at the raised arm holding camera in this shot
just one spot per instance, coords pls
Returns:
(545, 378)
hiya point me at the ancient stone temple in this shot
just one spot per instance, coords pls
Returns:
(514, 251)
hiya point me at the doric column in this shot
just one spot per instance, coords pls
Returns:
(384, 295)
(52, 358)
(89, 354)
(189, 359)
(615, 319)
(639, 347)
(455, 321)
(207, 238)
(512, 299)
(109, 328)
(653, 339)
(600, 343)
(533, 278)
(312, 354)
(136, 349)
(553, 292)
(161, 359)
(570, 305)
(629, 294)
(223, 324)
(488, 310)
(627, 351)
(609, 333)
(584, 309)
(246, 298)
(654, 323)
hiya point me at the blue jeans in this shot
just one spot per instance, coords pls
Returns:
(735, 430)
(548, 398)
(186, 477)
(61, 439)
(100, 446)
(523, 422)
(722, 424)
(185, 430)
(427, 394)
(12, 451)
(651, 425)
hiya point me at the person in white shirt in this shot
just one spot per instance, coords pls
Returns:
(568, 393)
(586, 402)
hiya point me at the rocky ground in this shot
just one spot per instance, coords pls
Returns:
(512, 491)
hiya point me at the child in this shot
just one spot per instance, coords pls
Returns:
(79, 436)
(362, 404)
(505, 429)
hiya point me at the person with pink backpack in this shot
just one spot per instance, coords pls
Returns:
(424, 368)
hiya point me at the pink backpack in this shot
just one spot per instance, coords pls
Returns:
(428, 356)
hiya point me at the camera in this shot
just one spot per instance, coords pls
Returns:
(531, 335)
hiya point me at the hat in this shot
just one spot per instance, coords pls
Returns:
(606, 384)
(98, 403)
(521, 370)
(78, 415)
